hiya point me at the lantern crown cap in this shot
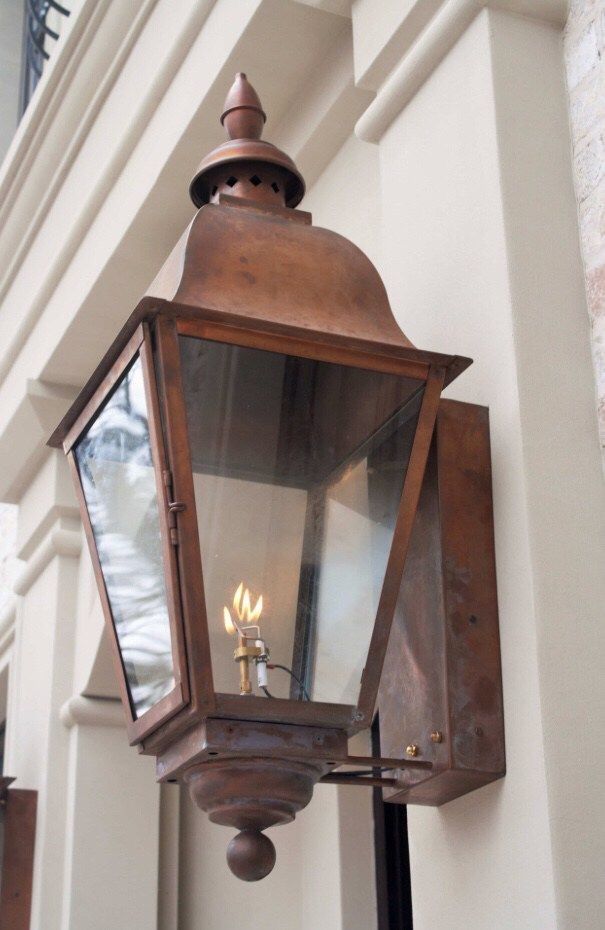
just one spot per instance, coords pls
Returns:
(246, 166)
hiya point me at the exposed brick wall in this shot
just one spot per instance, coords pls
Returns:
(584, 43)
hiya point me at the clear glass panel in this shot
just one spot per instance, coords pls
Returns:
(298, 470)
(116, 469)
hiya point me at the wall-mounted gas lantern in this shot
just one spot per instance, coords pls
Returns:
(249, 459)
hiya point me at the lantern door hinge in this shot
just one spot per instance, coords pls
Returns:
(173, 508)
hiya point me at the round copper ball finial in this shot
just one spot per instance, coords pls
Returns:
(251, 855)
(243, 116)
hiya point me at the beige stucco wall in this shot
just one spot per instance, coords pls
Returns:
(490, 263)
(435, 134)
(584, 39)
(8, 535)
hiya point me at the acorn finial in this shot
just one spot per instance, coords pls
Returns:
(243, 116)
(246, 166)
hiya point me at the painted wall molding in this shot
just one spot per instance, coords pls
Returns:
(26, 427)
(55, 513)
(65, 538)
(8, 619)
(88, 110)
(430, 48)
(92, 712)
(78, 32)
(339, 7)
(322, 118)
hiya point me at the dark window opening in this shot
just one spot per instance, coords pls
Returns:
(38, 40)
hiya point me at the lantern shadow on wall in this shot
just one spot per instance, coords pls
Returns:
(250, 457)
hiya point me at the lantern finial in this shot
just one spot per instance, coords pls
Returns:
(243, 116)
(246, 166)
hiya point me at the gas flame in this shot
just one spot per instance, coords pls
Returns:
(242, 607)
(229, 624)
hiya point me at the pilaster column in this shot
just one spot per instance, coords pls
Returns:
(480, 256)
(113, 823)
(96, 858)
(41, 669)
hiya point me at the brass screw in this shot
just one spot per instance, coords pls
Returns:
(437, 736)
(412, 749)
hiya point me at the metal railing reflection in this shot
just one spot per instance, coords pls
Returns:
(43, 21)
(118, 479)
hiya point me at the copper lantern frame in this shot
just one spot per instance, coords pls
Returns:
(251, 271)
(18, 807)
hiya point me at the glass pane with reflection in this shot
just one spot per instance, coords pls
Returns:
(118, 479)
(298, 470)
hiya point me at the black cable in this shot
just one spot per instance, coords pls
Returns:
(266, 690)
(285, 668)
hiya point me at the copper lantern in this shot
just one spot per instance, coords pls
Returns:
(249, 458)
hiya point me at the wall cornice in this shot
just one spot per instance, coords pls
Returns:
(339, 7)
(78, 32)
(92, 712)
(25, 197)
(8, 619)
(322, 118)
(24, 429)
(423, 51)
(431, 47)
(56, 123)
(63, 539)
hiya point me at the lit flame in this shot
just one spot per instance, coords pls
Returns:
(229, 624)
(242, 607)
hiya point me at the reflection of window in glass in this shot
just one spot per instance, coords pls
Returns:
(116, 468)
(298, 470)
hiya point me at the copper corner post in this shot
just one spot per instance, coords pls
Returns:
(18, 814)
(251, 272)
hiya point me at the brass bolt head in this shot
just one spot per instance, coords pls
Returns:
(436, 736)
(412, 749)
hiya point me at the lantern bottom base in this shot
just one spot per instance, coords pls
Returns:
(251, 795)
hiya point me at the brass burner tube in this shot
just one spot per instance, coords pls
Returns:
(242, 656)
(244, 675)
